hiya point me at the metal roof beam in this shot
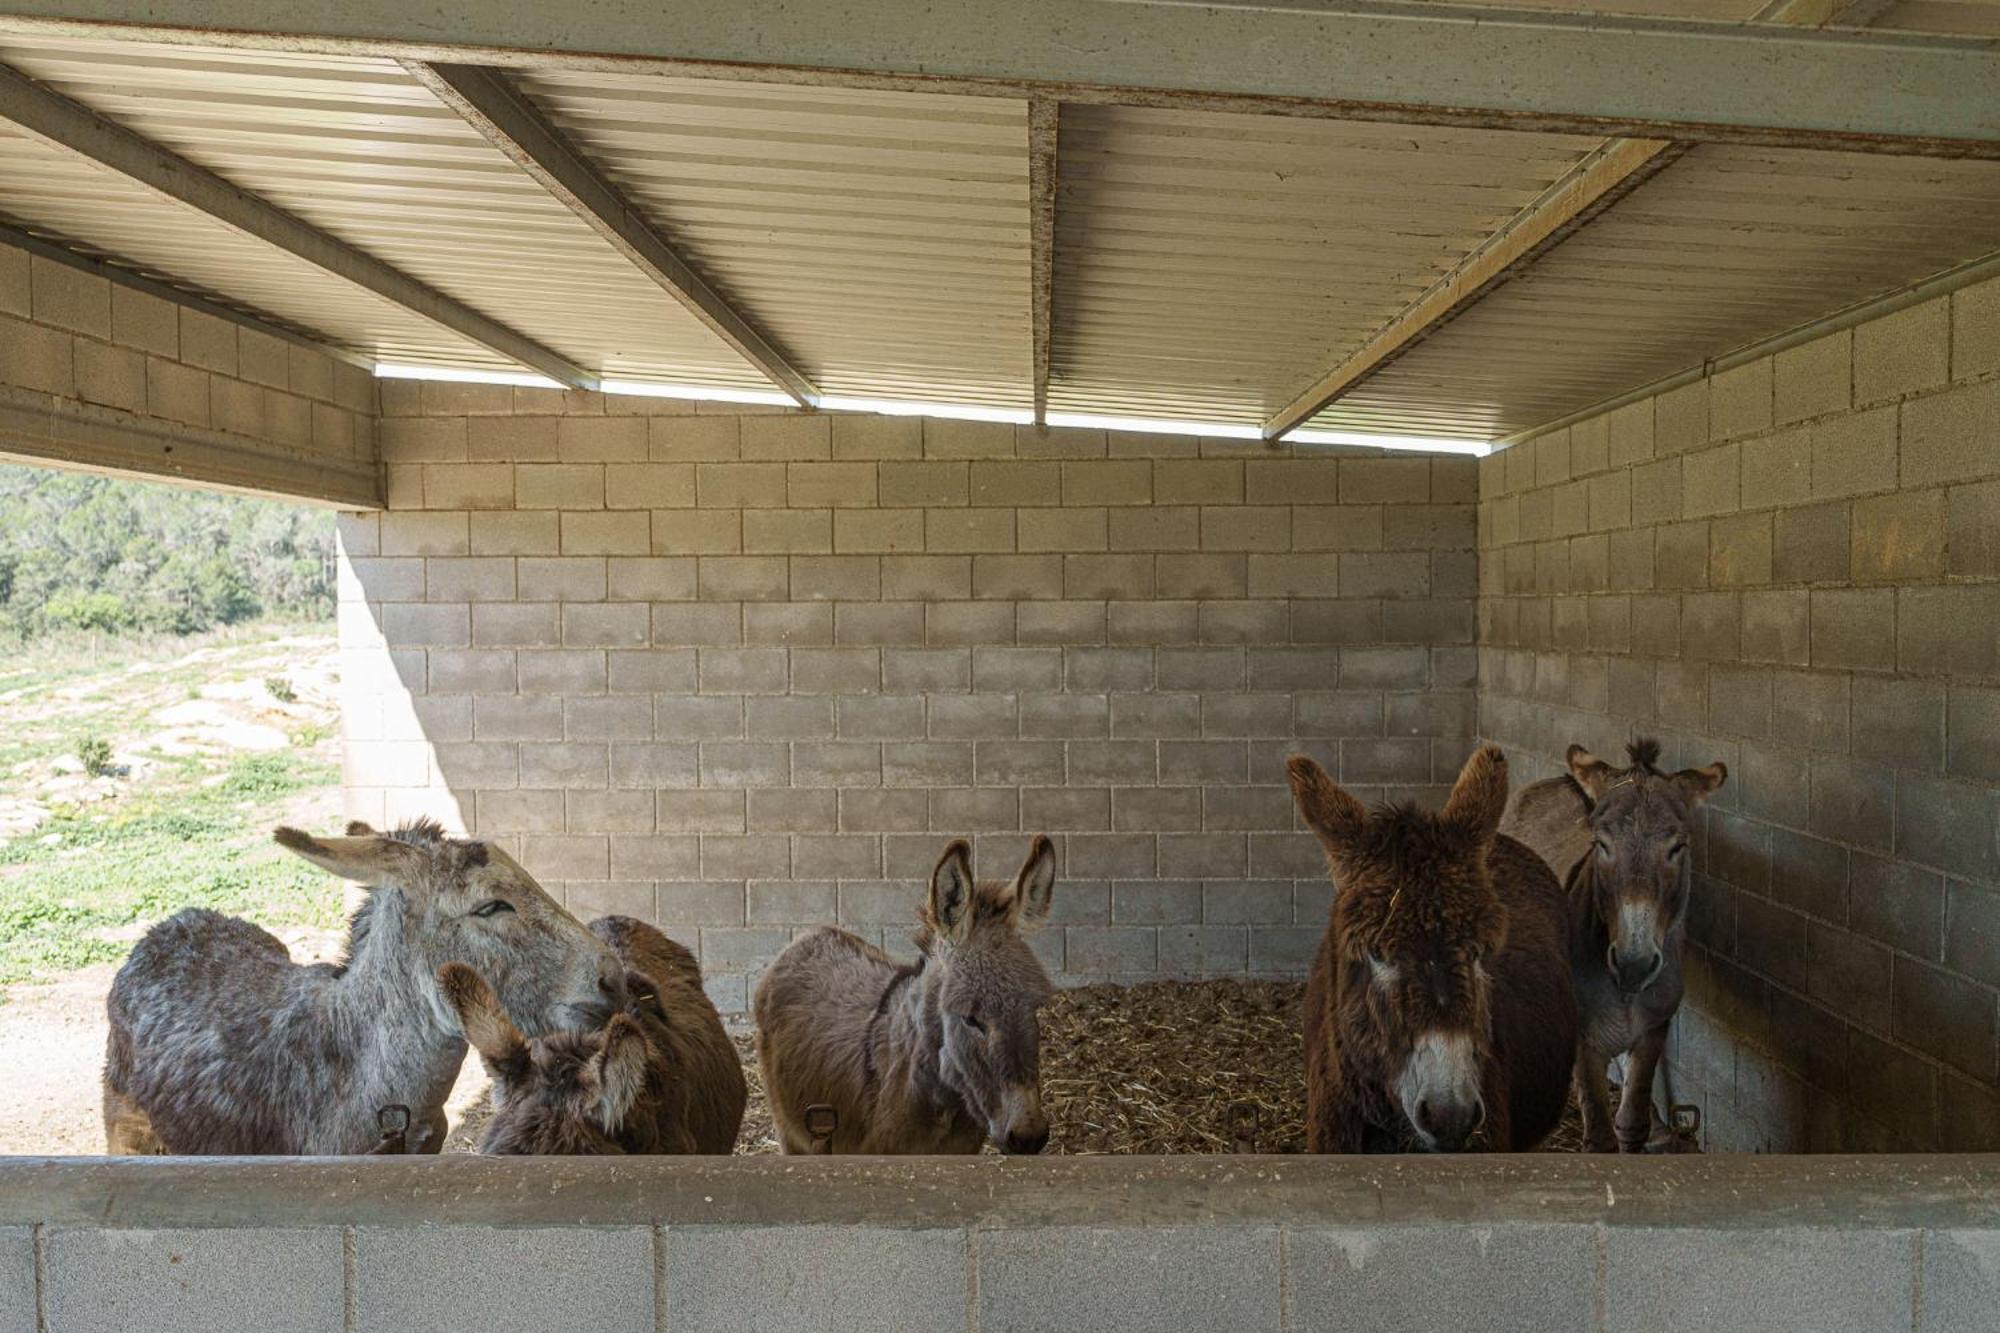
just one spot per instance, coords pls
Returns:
(494, 107)
(65, 124)
(1603, 177)
(1043, 119)
(1387, 60)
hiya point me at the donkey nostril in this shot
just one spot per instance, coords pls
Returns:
(1423, 1114)
(1478, 1113)
(605, 986)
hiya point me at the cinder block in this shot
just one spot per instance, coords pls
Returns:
(1710, 482)
(1793, 1278)
(1814, 380)
(787, 531)
(1009, 483)
(862, 531)
(1812, 545)
(1740, 400)
(1902, 353)
(1269, 528)
(552, 485)
(1848, 628)
(1681, 418)
(1656, 495)
(1960, 1281)
(279, 1278)
(926, 485)
(1107, 482)
(614, 532)
(822, 1277)
(649, 485)
(878, 624)
(73, 298)
(859, 437)
(926, 578)
(463, 1277)
(968, 531)
(1517, 1277)
(747, 578)
(1201, 575)
(697, 531)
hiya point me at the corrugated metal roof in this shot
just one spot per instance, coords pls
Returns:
(1726, 246)
(55, 193)
(1208, 266)
(361, 150)
(881, 238)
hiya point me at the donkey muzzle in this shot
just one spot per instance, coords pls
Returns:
(1634, 969)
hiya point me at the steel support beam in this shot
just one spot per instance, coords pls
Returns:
(1605, 176)
(1043, 120)
(1387, 60)
(68, 125)
(491, 105)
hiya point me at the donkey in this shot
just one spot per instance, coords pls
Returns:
(938, 1057)
(1438, 1015)
(221, 1044)
(1628, 897)
(663, 1077)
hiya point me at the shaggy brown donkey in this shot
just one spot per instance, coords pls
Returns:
(1438, 1015)
(662, 1077)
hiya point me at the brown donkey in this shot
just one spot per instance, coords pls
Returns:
(1438, 1015)
(662, 1077)
(938, 1057)
(1628, 897)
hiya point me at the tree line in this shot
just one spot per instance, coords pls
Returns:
(80, 552)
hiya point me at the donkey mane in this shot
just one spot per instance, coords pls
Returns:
(1645, 753)
(423, 833)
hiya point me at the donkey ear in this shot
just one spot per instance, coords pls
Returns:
(620, 1069)
(1333, 814)
(358, 828)
(1591, 773)
(1701, 783)
(948, 908)
(369, 860)
(1479, 797)
(502, 1048)
(1034, 888)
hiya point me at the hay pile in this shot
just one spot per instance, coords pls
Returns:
(1161, 1067)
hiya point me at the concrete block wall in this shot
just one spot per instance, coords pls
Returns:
(1794, 567)
(251, 410)
(681, 1245)
(744, 672)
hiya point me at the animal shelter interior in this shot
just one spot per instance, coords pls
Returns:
(1025, 487)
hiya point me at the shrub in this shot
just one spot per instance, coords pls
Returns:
(280, 688)
(95, 754)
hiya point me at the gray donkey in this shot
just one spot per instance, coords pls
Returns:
(220, 1044)
(937, 1057)
(1628, 894)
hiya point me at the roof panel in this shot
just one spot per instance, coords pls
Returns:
(66, 198)
(1727, 246)
(1208, 266)
(361, 150)
(880, 238)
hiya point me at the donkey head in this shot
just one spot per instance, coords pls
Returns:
(991, 990)
(569, 1093)
(1639, 821)
(439, 900)
(1415, 916)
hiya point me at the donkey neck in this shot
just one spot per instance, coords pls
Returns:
(907, 1042)
(1589, 934)
(387, 1003)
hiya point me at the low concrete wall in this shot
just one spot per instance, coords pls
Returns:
(1543, 1243)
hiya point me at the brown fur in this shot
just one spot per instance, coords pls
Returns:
(936, 1058)
(1628, 896)
(1440, 925)
(662, 1077)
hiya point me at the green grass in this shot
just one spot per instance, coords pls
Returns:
(178, 844)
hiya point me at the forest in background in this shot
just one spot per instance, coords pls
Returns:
(103, 554)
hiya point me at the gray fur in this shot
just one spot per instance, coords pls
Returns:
(1628, 893)
(664, 1078)
(220, 1044)
(890, 1048)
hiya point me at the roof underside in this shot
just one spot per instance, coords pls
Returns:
(1208, 266)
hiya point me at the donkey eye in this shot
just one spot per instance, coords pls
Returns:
(1674, 852)
(1604, 849)
(973, 1022)
(492, 907)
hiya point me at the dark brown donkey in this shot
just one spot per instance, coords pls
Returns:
(1628, 897)
(939, 1057)
(662, 1077)
(1438, 1016)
